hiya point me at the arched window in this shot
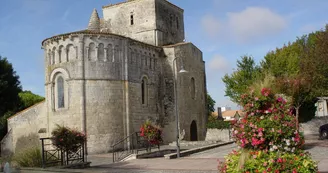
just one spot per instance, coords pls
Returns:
(144, 91)
(60, 92)
(192, 88)
(92, 52)
(101, 52)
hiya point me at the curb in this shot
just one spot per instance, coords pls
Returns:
(196, 150)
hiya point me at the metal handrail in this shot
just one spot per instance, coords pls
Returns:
(120, 141)
(118, 155)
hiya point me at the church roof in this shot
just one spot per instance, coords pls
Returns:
(94, 22)
(111, 5)
(96, 33)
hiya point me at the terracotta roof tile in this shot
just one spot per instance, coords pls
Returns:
(111, 5)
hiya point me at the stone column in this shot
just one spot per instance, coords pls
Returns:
(66, 54)
(76, 52)
(87, 53)
(105, 54)
(97, 49)
(59, 55)
(83, 101)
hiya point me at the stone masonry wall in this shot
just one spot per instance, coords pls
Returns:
(118, 19)
(27, 127)
(105, 117)
(191, 98)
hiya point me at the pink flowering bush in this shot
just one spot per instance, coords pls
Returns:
(152, 133)
(268, 124)
(67, 139)
(267, 132)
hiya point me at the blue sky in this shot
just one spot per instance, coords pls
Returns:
(223, 29)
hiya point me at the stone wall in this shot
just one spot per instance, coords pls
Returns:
(26, 128)
(169, 23)
(190, 88)
(161, 24)
(118, 20)
(218, 135)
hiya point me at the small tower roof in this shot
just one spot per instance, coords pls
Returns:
(94, 23)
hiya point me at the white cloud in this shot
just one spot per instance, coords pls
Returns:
(255, 22)
(211, 25)
(218, 64)
(252, 23)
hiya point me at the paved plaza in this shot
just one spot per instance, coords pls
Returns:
(202, 162)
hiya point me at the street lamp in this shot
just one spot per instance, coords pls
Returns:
(182, 70)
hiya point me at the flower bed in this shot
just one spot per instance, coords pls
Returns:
(268, 138)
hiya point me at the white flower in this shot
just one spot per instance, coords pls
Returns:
(271, 149)
(262, 117)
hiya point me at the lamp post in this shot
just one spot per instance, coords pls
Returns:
(182, 70)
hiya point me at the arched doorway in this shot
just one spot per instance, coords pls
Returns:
(193, 131)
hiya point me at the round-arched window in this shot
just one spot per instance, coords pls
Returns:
(60, 92)
(192, 88)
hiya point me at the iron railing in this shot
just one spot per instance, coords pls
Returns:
(131, 144)
(52, 156)
(123, 148)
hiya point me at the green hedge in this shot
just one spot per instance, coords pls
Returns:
(214, 123)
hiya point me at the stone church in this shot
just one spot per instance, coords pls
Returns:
(122, 70)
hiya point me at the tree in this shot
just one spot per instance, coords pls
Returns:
(239, 81)
(28, 99)
(210, 104)
(9, 87)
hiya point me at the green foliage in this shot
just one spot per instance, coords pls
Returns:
(9, 87)
(67, 139)
(239, 81)
(268, 162)
(30, 157)
(210, 104)
(214, 123)
(29, 99)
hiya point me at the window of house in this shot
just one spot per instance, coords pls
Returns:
(131, 19)
(192, 88)
(60, 92)
(177, 20)
(144, 91)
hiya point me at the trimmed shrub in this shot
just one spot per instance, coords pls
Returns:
(214, 123)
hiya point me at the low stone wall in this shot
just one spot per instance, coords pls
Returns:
(218, 135)
(312, 127)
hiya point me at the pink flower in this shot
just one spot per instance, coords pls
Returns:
(279, 160)
(256, 98)
(265, 163)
